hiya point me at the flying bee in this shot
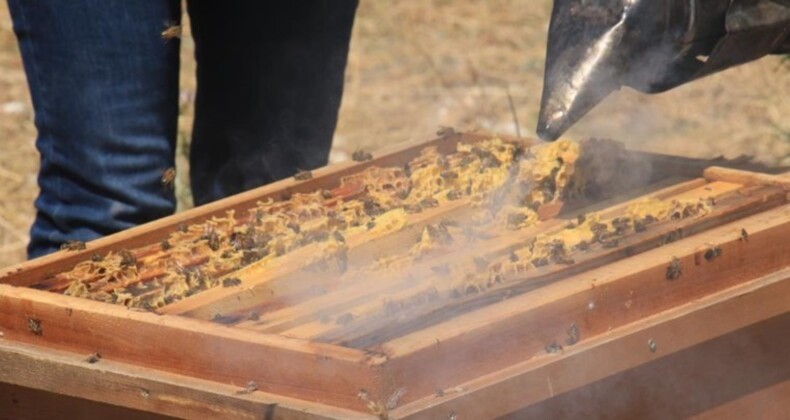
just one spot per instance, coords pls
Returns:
(169, 178)
(172, 30)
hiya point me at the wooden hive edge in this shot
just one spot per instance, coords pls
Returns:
(623, 348)
(518, 328)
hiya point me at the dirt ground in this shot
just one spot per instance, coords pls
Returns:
(418, 64)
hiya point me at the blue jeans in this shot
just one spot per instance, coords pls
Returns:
(104, 85)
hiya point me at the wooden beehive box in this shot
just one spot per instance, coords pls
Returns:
(631, 317)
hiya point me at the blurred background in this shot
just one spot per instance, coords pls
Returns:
(417, 64)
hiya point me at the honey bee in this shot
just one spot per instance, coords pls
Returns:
(712, 253)
(73, 246)
(97, 258)
(573, 335)
(171, 31)
(169, 178)
(361, 156)
(248, 389)
(445, 131)
(34, 325)
(231, 282)
(303, 175)
(165, 245)
(93, 358)
(674, 269)
(553, 347)
(127, 259)
(744, 236)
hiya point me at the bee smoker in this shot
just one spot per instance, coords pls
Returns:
(597, 46)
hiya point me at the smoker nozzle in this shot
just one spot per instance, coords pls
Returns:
(596, 47)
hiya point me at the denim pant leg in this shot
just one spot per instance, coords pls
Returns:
(270, 79)
(104, 86)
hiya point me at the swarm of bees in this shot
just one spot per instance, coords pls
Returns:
(477, 172)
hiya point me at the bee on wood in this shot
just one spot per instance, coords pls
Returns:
(127, 259)
(413, 208)
(429, 202)
(471, 289)
(553, 347)
(254, 316)
(93, 358)
(639, 226)
(248, 389)
(182, 227)
(744, 237)
(97, 258)
(672, 236)
(674, 269)
(73, 246)
(224, 319)
(455, 194)
(171, 31)
(326, 194)
(448, 174)
(712, 253)
(303, 175)
(540, 262)
(445, 131)
(361, 156)
(165, 245)
(652, 345)
(558, 255)
(515, 220)
(614, 243)
(573, 335)
(34, 325)
(169, 178)
(231, 282)
(582, 246)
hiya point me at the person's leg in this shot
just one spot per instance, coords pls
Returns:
(105, 91)
(270, 79)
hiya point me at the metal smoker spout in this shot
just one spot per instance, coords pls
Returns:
(597, 46)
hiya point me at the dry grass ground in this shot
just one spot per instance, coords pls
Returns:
(415, 65)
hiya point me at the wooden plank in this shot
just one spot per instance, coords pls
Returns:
(153, 391)
(312, 310)
(731, 376)
(33, 271)
(18, 403)
(493, 337)
(768, 403)
(717, 173)
(376, 324)
(541, 378)
(179, 345)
